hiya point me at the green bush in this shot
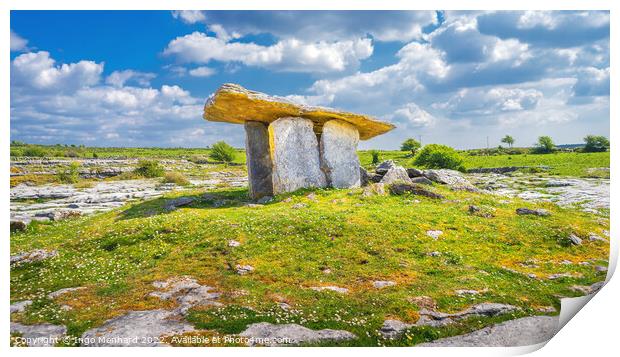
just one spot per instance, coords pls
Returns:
(176, 178)
(69, 174)
(147, 168)
(435, 156)
(375, 157)
(596, 143)
(34, 151)
(223, 152)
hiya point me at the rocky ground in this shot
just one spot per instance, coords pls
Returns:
(152, 327)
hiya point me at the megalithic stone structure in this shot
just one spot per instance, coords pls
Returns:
(291, 146)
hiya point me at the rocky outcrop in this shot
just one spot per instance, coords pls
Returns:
(267, 334)
(36, 255)
(534, 212)
(41, 335)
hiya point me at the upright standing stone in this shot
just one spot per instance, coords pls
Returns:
(258, 159)
(295, 155)
(339, 160)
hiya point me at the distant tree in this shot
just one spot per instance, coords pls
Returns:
(221, 151)
(375, 156)
(596, 143)
(545, 145)
(410, 145)
(149, 169)
(508, 140)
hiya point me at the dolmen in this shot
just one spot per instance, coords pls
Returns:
(291, 146)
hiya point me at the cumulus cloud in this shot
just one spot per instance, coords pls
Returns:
(202, 72)
(119, 78)
(557, 28)
(17, 42)
(490, 101)
(43, 109)
(286, 55)
(189, 16)
(412, 116)
(401, 26)
(38, 71)
(592, 81)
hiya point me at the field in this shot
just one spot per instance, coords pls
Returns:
(310, 239)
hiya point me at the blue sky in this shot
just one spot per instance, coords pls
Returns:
(140, 78)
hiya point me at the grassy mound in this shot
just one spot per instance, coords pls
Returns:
(339, 238)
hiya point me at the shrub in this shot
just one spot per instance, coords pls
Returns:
(176, 178)
(34, 151)
(545, 145)
(69, 174)
(375, 157)
(221, 151)
(435, 156)
(147, 168)
(410, 145)
(595, 143)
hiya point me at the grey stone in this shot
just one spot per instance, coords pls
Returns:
(61, 292)
(393, 328)
(364, 177)
(42, 335)
(600, 268)
(384, 167)
(186, 292)
(339, 160)
(265, 199)
(20, 306)
(380, 284)
(436, 319)
(36, 255)
(175, 203)
(374, 189)
(413, 172)
(233, 243)
(421, 180)
(434, 233)
(299, 205)
(258, 160)
(446, 177)
(593, 237)
(574, 239)
(244, 269)
(264, 333)
(466, 292)
(295, 150)
(536, 212)
(136, 328)
(401, 188)
(520, 332)
(330, 288)
(395, 174)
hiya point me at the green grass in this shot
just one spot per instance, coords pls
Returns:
(117, 255)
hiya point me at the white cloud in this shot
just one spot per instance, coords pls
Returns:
(286, 55)
(189, 16)
(17, 42)
(592, 81)
(490, 101)
(38, 71)
(119, 78)
(201, 72)
(412, 116)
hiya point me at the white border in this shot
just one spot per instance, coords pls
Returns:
(594, 330)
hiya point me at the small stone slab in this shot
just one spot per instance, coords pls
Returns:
(20, 306)
(331, 288)
(36, 255)
(339, 158)
(295, 155)
(136, 328)
(42, 335)
(380, 284)
(535, 212)
(232, 103)
(268, 334)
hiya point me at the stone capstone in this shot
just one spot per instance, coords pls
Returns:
(295, 155)
(339, 160)
(258, 159)
(232, 103)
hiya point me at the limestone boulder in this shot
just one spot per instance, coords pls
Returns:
(339, 160)
(395, 174)
(295, 155)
